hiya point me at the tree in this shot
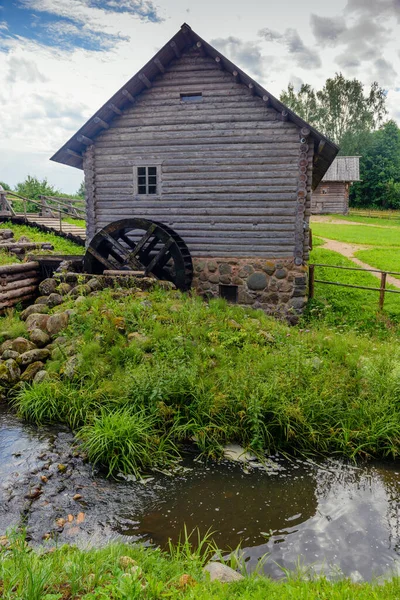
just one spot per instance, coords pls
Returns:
(32, 188)
(81, 190)
(340, 110)
(379, 170)
(5, 186)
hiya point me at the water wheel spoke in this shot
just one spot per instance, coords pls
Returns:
(143, 240)
(161, 254)
(100, 258)
(118, 249)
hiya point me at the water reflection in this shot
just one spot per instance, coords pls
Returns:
(333, 516)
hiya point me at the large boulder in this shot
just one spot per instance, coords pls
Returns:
(47, 286)
(34, 308)
(222, 573)
(39, 337)
(80, 290)
(22, 345)
(6, 345)
(54, 300)
(41, 376)
(32, 370)
(33, 356)
(9, 372)
(14, 372)
(64, 289)
(57, 323)
(37, 321)
(9, 354)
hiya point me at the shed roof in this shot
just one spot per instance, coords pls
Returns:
(344, 168)
(71, 152)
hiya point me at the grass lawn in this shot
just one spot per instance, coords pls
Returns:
(376, 221)
(381, 258)
(132, 572)
(77, 222)
(351, 308)
(357, 234)
(61, 245)
(172, 368)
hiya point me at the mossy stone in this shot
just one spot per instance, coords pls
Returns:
(257, 281)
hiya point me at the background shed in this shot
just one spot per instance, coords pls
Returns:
(332, 194)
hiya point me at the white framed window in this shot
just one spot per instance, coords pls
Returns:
(147, 179)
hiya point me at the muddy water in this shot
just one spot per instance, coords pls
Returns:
(329, 515)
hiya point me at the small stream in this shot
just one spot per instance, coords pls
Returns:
(338, 518)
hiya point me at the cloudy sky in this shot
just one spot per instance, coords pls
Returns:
(60, 60)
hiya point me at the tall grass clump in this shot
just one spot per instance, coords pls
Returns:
(126, 442)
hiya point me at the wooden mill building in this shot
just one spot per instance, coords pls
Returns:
(195, 143)
(332, 194)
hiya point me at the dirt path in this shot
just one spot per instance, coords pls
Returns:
(333, 221)
(348, 250)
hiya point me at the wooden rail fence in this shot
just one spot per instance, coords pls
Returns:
(382, 289)
(393, 215)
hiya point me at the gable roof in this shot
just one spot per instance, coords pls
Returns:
(71, 152)
(344, 168)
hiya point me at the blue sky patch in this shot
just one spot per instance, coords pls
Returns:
(68, 32)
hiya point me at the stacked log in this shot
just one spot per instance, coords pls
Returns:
(23, 245)
(18, 283)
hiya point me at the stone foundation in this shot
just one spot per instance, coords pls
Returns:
(278, 287)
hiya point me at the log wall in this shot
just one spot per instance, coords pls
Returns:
(331, 197)
(230, 176)
(18, 283)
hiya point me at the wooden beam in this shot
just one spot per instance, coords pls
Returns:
(175, 49)
(201, 49)
(129, 96)
(82, 139)
(219, 62)
(321, 146)
(252, 88)
(73, 153)
(236, 76)
(266, 99)
(284, 115)
(305, 132)
(115, 109)
(159, 65)
(144, 79)
(100, 122)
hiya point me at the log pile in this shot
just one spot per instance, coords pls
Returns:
(18, 283)
(20, 247)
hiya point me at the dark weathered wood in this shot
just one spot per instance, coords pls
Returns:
(84, 140)
(18, 268)
(311, 279)
(128, 96)
(382, 290)
(175, 49)
(201, 49)
(159, 65)
(144, 79)
(73, 153)
(100, 122)
(219, 62)
(229, 165)
(115, 109)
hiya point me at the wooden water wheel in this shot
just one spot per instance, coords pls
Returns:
(143, 246)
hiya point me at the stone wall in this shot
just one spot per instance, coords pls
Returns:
(279, 287)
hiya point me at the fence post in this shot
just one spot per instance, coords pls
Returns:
(59, 214)
(24, 201)
(311, 281)
(382, 290)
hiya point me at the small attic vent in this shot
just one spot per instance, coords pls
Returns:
(192, 97)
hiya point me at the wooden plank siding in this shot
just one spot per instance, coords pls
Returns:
(229, 165)
(331, 197)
